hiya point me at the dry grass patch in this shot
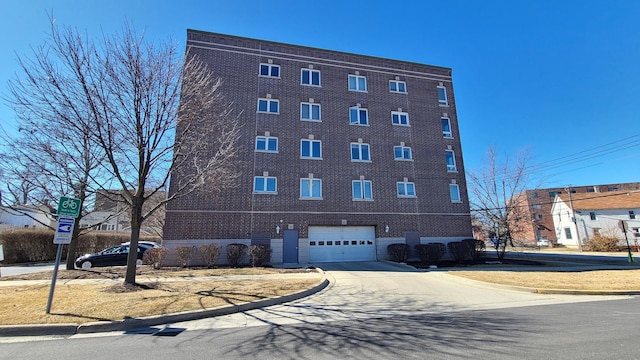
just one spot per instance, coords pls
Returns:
(88, 303)
(584, 280)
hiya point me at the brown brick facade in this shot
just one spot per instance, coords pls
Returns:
(238, 212)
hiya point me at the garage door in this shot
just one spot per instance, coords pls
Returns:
(342, 243)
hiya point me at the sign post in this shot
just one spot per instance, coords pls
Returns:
(68, 211)
(624, 226)
(1, 258)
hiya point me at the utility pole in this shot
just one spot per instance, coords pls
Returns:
(574, 220)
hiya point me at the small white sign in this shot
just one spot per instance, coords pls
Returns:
(64, 231)
(1, 253)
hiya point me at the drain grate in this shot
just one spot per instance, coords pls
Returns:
(169, 332)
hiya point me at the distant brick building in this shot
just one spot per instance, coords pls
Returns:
(343, 154)
(538, 203)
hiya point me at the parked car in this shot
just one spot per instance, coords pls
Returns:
(543, 243)
(147, 244)
(113, 256)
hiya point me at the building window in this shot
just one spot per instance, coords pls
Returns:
(534, 195)
(311, 149)
(454, 192)
(552, 194)
(397, 86)
(632, 214)
(592, 215)
(358, 116)
(446, 127)
(406, 189)
(636, 231)
(567, 233)
(537, 216)
(270, 70)
(536, 206)
(310, 111)
(612, 189)
(265, 184)
(399, 118)
(360, 152)
(268, 106)
(451, 161)
(357, 83)
(310, 77)
(266, 143)
(310, 188)
(442, 96)
(361, 190)
(402, 153)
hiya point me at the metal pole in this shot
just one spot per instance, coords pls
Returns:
(53, 278)
(574, 220)
(624, 230)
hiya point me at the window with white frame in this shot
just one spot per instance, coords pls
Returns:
(265, 184)
(567, 233)
(310, 77)
(270, 70)
(442, 96)
(406, 189)
(397, 86)
(402, 152)
(310, 188)
(592, 215)
(454, 193)
(270, 106)
(360, 152)
(310, 149)
(310, 111)
(357, 83)
(358, 116)
(399, 118)
(451, 160)
(361, 189)
(267, 143)
(632, 215)
(446, 127)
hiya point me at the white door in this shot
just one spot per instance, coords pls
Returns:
(342, 243)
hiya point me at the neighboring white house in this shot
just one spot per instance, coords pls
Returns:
(102, 221)
(25, 216)
(584, 215)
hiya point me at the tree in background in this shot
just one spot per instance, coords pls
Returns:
(148, 112)
(495, 199)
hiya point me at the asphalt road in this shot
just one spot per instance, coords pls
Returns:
(379, 311)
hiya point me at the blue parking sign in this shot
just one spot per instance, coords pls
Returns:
(64, 231)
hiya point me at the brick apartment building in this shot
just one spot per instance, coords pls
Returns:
(538, 203)
(343, 154)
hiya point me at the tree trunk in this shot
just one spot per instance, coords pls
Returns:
(136, 221)
(73, 245)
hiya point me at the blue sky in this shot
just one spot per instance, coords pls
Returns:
(561, 78)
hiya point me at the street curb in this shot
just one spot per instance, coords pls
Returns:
(131, 323)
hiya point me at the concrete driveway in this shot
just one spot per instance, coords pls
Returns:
(363, 290)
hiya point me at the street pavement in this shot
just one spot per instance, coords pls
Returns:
(365, 290)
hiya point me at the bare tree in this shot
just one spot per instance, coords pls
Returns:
(55, 119)
(495, 196)
(148, 112)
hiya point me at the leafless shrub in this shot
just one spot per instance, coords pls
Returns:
(398, 252)
(155, 257)
(235, 253)
(431, 253)
(185, 254)
(603, 243)
(259, 254)
(209, 254)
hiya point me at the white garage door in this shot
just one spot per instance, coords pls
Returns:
(342, 243)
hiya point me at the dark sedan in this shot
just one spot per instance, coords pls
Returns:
(112, 256)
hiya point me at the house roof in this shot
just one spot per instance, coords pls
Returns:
(603, 201)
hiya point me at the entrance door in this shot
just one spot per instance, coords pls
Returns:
(290, 246)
